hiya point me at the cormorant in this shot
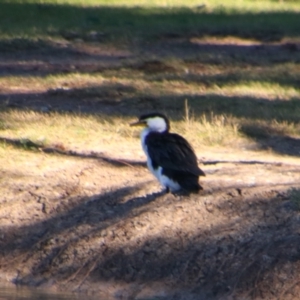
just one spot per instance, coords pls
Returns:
(170, 157)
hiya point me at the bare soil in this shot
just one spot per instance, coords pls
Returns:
(99, 223)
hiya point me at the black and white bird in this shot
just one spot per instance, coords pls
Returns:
(170, 157)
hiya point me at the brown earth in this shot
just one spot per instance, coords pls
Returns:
(99, 223)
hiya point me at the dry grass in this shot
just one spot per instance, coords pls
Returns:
(64, 129)
(80, 129)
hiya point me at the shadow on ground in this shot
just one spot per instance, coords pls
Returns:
(269, 138)
(125, 99)
(242, 244)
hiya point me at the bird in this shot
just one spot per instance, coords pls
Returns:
(170, 157)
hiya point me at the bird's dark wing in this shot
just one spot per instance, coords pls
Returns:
(172, 151)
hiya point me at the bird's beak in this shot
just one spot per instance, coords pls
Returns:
(138, 123)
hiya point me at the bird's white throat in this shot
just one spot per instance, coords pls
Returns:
(144, 134)
(157, 124)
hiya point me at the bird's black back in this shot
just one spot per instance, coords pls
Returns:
(173, 153)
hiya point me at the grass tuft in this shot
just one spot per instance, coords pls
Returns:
(209, 129)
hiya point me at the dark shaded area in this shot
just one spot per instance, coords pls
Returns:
(123, 23)
(116, 99)
(238, 64)
(21, 143)
(45, 57)
(23, 293)
(269, 138)
(42, 58)
(108, 209)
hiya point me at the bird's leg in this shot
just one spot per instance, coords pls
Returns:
(167, 190)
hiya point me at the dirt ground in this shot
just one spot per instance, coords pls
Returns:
(97, 222)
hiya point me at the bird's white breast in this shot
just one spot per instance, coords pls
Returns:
(164, 180)
(144, 134)
(167, 182)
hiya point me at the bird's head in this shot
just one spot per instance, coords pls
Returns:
(154, 121)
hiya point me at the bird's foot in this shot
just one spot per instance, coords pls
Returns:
(167, 190)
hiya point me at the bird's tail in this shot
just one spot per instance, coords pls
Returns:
(191, 184)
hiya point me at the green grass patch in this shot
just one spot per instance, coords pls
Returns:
(125, 21)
